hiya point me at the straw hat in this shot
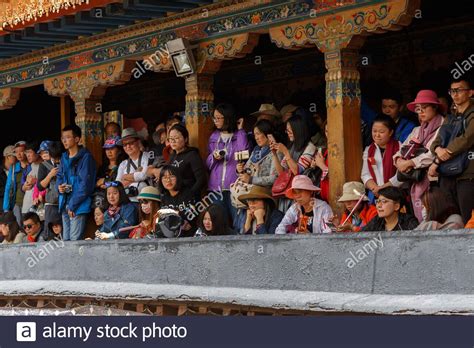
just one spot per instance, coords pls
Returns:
(301, 182)
(425, 96)
(257, 192)
(150, 193)
(267, 109)
(349, 191)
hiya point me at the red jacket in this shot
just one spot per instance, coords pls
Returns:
(367, 214)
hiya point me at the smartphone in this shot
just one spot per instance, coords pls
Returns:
(331, 225)
(271, 138)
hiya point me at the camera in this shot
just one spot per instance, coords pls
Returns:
(131, 191)
(242, 156)
(222, 153)
(67, 188)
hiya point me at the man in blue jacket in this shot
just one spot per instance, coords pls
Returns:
(392, 106)
(76, 182)
(13, 198)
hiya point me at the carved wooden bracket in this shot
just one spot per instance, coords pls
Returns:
(332, 32)
(80, 86)
(9, 97)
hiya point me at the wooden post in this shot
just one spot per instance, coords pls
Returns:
(199, 105)
(65, 111)
(89, 119)
(343, 98)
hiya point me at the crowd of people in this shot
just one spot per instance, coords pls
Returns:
(272, 178)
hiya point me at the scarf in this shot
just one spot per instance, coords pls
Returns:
(428, 130)
(389, 169)
(31, 239)
(113, 211)
(426, 133)
(259, 153)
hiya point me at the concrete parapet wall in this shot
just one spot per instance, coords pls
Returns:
(400, 263)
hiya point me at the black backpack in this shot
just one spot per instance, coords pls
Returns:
(52, 193)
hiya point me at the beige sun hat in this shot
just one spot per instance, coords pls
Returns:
(267, 109)
(150, 193)
(352, 191)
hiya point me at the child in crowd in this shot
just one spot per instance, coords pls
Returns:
(356, 202)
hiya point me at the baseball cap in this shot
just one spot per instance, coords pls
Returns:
(44, 146)
(19, 143)
(9, 151)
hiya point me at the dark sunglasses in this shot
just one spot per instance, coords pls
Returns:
(27, 227)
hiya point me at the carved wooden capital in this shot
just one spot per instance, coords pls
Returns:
(330, 32)
(81, 85)
(9, 97)
(210, 54)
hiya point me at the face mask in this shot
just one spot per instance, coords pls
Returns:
(146, 208)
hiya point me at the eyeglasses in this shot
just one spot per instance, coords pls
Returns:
(130, 143)
(174, 140)
(169, 177)
(454, 91)
(383, 201)
(27, 227)
(112, 184)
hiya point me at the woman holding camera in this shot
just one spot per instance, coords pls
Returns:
(259, 168)
(225, 142)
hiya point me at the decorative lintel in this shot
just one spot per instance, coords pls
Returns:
(80, 85)
(336, 31)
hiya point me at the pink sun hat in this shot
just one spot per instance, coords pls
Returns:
(301, 182)
(425, 96)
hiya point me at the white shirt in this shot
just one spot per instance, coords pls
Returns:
(378, 169)
(139, 176)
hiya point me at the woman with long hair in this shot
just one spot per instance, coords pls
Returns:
(224, 142)
(213, 222)
(440, 211)
(297, 156)
(12, 234)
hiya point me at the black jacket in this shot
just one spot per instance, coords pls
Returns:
(405, 222)
(191, 170)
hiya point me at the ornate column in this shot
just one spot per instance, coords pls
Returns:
(9, 97)
(343, 116)
(86, 88)
(339, 37)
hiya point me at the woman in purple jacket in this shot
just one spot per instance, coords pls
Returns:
(224, 142)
